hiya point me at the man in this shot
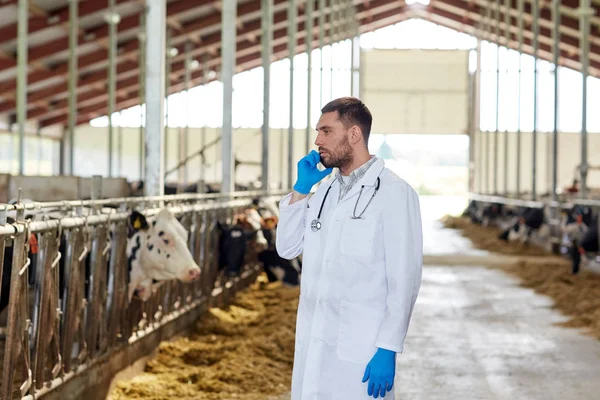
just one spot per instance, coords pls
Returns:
(361, 240)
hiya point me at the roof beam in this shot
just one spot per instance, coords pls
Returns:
(213, 40)
(39, 23)
(247, 57)
(457, 22)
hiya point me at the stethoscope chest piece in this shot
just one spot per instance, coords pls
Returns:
(315, 225)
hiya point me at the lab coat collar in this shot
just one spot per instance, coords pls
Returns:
(369, 179)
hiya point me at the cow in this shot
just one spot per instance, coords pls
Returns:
(531, 220)
(155, 252)
(251, 238)
(158, 251)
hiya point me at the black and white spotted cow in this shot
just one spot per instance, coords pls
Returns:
(158, 251)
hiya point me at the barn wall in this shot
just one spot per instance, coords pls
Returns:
(416, 91)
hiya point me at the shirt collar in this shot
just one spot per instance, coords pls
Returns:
(358, 171)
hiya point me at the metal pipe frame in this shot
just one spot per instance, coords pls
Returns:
(22, 31)
(555, 54)
(167, 85)
(113, 324)
(496, 133)
(228, 49)
(292, 52)
(203, 132)
(585, 12)
(155, 97)
(480, 160)
(112, 20)
(266, 39)
(73, 74)
(187, 80)
(232, 199)
(332, 41)
(309, 29)
(355, 54)
(120, 145)
(535, 11)
(488, 18)
(321, 44)
(142, 89)
(521, 9)
(507, 4)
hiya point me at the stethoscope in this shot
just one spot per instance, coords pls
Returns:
(315, 225)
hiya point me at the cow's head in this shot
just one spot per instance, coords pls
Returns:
(158, 251)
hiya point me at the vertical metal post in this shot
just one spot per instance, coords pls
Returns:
(585, 13)
(535, 11)
(309, 40)
(187, 81)
(496, 133)
(112, 19)
(355, 54)
(267, 33)
(228, 49)
(556, 54)
(521, 10)
(167, 86)
(507, 9)
(120, 145)
(332, 40)
(22, 31)
(291, 52)
(321, 39)
(155, 97)
(476, 116)
(203, 133)
(73, 75)
(488, 18)
(142, 83)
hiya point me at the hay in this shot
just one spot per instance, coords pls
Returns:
(576, 296)
(486, 238)
(242, 352)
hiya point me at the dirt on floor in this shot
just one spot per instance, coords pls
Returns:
(244, 351)
(576, 296)
(486, 238)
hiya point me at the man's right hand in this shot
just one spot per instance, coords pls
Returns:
(308, 173)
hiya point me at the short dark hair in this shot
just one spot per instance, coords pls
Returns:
(351, 111)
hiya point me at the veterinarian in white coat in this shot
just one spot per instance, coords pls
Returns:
(361, 240)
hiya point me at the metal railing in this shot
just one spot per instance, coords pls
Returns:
(81, 309)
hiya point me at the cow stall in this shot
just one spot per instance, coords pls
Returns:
(71, 325)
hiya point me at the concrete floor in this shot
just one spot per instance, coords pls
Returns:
(475, 334)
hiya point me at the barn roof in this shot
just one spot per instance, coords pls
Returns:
(198, 22)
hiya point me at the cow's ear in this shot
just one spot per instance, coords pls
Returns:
(138, 221)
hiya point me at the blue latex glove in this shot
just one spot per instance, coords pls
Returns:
(308, 173)
(380, 373)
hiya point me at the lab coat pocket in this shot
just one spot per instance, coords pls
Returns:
(357, 237)
(359, 326)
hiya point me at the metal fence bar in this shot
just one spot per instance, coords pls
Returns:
(130, 201)
(17, 341)
(82, 311)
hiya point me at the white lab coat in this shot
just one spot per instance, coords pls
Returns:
(360, 280)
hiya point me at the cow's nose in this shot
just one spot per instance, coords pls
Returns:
(194, 273)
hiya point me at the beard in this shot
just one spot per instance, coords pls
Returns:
(338, 157)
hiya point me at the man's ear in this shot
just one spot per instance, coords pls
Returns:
(138, 221)
(355, 134)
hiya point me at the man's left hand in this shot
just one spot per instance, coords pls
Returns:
(380, 373)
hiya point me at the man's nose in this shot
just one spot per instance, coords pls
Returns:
(318, 140)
